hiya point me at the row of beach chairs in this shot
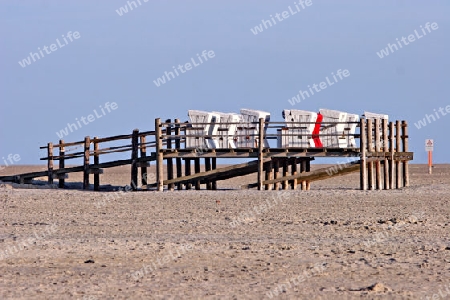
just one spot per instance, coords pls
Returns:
(303, 129)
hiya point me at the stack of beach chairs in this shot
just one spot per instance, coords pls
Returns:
(226, 130)
(303, 129)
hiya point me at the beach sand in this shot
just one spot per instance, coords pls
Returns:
(332, 242)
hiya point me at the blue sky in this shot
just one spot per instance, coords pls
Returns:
(117, 58)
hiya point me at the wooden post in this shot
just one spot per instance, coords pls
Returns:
(378, 150)
(405, 139)
(303, 170)
(285, 184)
(308, 169)
(87, 145)
(61, 165)
(96, 163)
(261, 154)
(370, 147)
(398, 136)
(208, 168)
(214, 166)
(391, 161)
(269, 175)
(187, 171)
(159, 156)
(171, 186)
(363, 147)
(50, 163)
(385, 150)
(178, 146)
(143, 140)
(276, 173)
(134, 159)
(197, 170)
(294, 172)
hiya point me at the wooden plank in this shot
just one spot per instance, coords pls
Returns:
(321, 174)
(378, 149)
(363, 149)
(87, 144)
(261, 154)
(221, 173)
(159, 156)
(178, 146)
(385, 147)
(169, 161)
(61, 165)
(398, 136)
(391, 160)
(134, 159)
(143, 166)
(50, 163)
(96, 162)
(370, 149)
(405, 140)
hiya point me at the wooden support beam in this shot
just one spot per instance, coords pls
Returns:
(61, 165)
(96, 162)
(187, 171)
(50, 162)
(143, 155)
(371, 182)
(261, 154)
(208, 168)
(269, 175)
(405, 148)
(285, 184)
(169, 161)
(196, 171)
(303, 170)
(214, 167)
(384, 125)
(308, 169)
(276, 173)
(294, 172)
(134, 159)
(392, 150)
(87, 145)
(178, 146)
(363, 149)
(378, 149)
(159, 156)
(398, 136)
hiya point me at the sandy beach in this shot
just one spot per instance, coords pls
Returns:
(332, 242)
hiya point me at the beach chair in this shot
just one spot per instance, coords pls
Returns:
(247, 131)
(297, 135)
(333, 134)
(350, 129)
(203, 132)
(374, 116)
(226, 129)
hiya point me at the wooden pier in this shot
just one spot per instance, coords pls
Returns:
(382, 152)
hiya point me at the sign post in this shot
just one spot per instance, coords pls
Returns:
(429, 146)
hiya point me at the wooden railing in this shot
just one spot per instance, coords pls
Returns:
(379, 141)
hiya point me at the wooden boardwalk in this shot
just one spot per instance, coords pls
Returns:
(382, 152)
